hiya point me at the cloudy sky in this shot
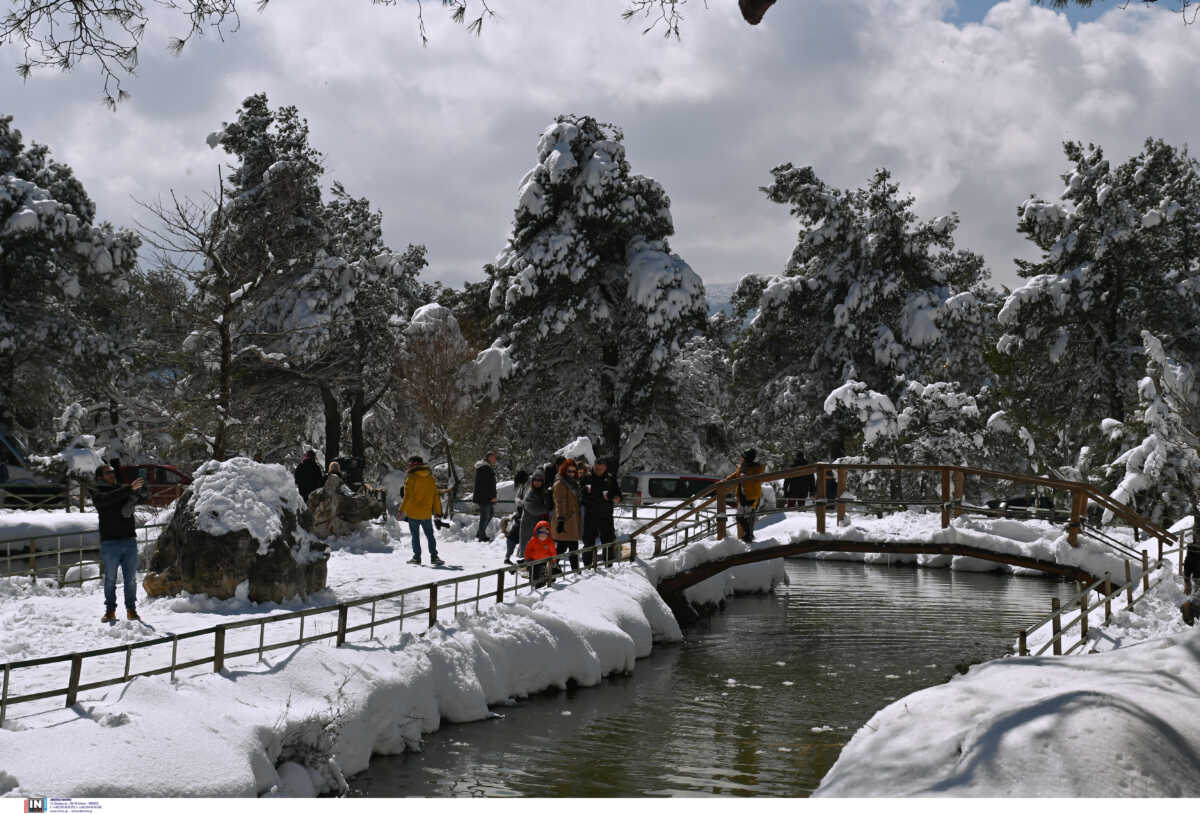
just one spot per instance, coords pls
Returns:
(966, 103)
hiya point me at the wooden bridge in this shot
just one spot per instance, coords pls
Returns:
(1080, 506)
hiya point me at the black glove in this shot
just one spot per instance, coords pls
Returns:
(562, 525)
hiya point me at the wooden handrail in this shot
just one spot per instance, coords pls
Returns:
(1075, 487)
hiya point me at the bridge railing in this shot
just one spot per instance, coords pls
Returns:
(707, 509)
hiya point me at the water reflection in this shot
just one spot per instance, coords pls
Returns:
(758, 701)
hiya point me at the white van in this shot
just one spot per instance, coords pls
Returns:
(648, 488)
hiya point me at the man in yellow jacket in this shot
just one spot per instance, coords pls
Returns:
(748, 494)
(421, 502)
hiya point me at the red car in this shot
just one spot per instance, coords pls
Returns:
(165, 482)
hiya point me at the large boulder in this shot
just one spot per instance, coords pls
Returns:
(336, 512)
(240, 521)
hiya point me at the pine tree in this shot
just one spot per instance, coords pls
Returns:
(871, 295)
(588, 294)
(60, 274)
(1121, 254)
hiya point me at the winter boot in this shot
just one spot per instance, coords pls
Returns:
(109, 616)
(132, 615)
(415, 561)
(437, 561)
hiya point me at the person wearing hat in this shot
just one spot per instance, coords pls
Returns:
(748, 494)
(114, 503)
(421, 503)
(309, 477)
(535, 507)
(600, 492)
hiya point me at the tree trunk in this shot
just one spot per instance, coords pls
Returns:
(610, 421)
(225, 393)
(357, 410)
(333, 424)
(452, 480)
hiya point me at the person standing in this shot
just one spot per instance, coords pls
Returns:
(536, 507)
(485, 493)
(797, 490)
(118, 542)
(600, 492)
(748, 494)
(513, 536)
(421, 502)
(566, 511)
(309, 477)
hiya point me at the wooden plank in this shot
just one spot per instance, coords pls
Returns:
(959, 484)
(73, 682)
(841, 490)
(1056, 625)
(945, 498)
(820, 500)
(343, 613)
(218, 648)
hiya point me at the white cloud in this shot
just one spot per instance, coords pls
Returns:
(968, 118)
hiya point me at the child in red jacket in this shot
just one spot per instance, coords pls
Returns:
(540, 546)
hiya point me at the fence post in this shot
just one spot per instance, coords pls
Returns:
(1145, 571)
(343, 613)
(1107, 597)
(722, 496)
(1073, 525)
(657, 545)
(1083, 614)
(1128, 585)
(1056, 625)
(33, 559)
(1159, 549)
(841, 490)
(632, 549)
(1022, 645)
(820, 500)
(73, 683)
(433, 605)
(218, 648)
(959, 481)
(500, 587)
(4, 695)
(945, 498)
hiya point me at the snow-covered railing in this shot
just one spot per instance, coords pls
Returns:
(1081, 606)
(713, 500)
(63, 554)
(421, 605)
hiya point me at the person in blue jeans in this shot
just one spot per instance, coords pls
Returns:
(421, 502)
(118, 542)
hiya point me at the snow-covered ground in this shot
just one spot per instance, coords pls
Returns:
(300, 720)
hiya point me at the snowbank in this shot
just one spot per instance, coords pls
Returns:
(1125, 723)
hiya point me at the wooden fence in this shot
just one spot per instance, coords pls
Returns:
(420, 605)
(56, 555)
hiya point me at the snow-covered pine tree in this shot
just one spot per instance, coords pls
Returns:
(1121, 254)
(870, 294)
(58, 271)
(588, 294)
(1161, 474)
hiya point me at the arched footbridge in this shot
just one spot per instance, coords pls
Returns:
(955, 491)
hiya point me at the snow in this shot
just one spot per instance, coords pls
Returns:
(580, 448)
(242, 494)
(300, 720)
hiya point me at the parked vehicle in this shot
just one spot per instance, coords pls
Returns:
(648, 488)
(164, 482)
(20, 486)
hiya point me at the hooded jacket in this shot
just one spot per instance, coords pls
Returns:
(537, 505)
(485, 483)
(421, 499)
(752, 491)
(537, 549)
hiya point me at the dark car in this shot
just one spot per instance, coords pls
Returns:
(165, 482)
